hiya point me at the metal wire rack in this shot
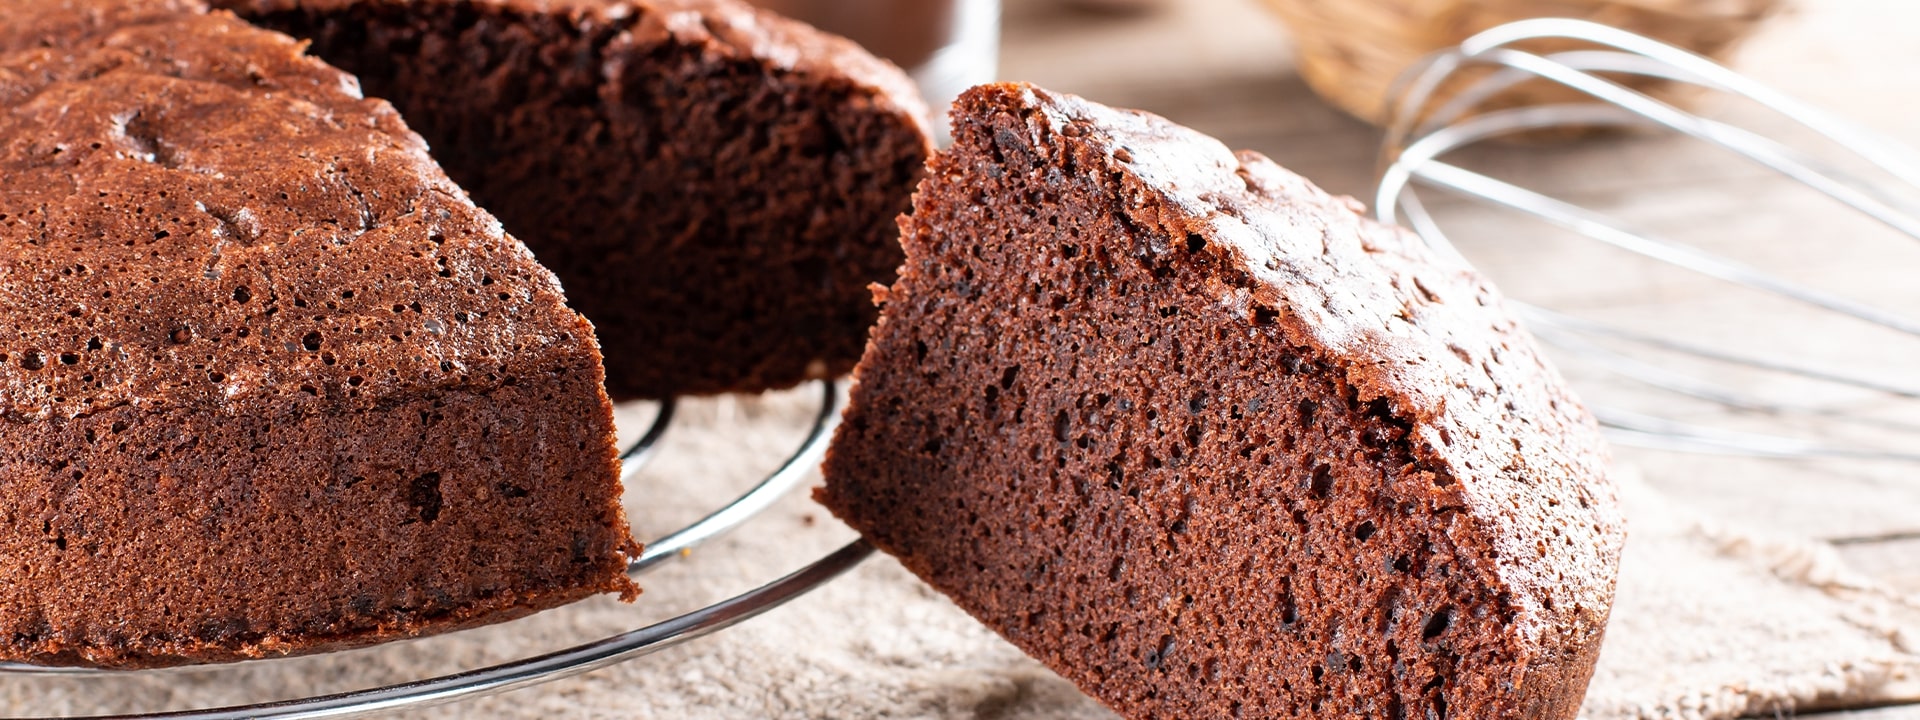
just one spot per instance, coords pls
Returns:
(600, 653)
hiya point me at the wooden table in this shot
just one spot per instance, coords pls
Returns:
(1224, 67)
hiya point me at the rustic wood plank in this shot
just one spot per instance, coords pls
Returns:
(1904, 712)
(1894, 561)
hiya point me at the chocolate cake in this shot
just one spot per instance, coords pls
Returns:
(714, 185)
(271, 383)
(1209, 444)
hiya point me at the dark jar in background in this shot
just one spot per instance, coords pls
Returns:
(947, 45)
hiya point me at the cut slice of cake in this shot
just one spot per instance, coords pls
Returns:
(714, 185)
(271, 383)
(1210, 444)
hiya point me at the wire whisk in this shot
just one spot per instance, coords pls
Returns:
(1452, 102)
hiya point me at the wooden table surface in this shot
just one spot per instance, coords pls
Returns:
(1224, 67)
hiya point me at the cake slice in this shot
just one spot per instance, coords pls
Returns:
(714, 185)
(271, 383)
(1209, 444)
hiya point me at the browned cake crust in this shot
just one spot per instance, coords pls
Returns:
(714, 185)
(1210, 444)
(271, 383)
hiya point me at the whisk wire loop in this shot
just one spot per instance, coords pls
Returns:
(1447, 103)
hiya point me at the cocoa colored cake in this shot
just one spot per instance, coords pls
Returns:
(714, 185)
(271, 383)
(1208, 443)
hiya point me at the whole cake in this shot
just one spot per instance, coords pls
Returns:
(271, 383)
(714, 185)
(1210, 444)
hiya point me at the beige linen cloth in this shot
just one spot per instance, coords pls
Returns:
(1711, 622)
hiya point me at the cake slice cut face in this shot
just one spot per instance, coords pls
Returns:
(271, 383)
(1208, 443)
(714, 185)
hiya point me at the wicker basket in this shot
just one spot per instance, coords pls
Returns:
(1352, 50)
